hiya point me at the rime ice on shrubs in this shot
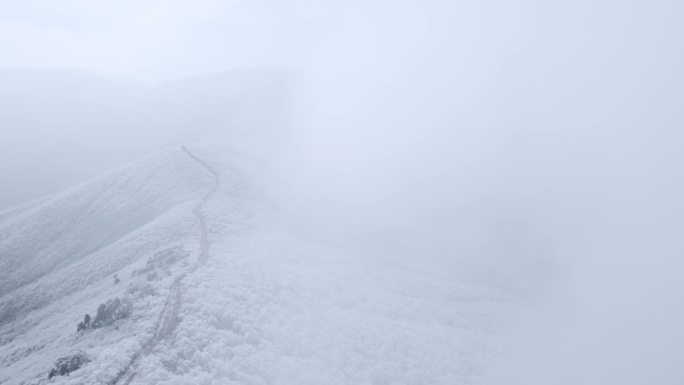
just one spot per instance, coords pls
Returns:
(68, 364)
(112, 310)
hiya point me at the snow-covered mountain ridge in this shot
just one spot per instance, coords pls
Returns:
(187, 277)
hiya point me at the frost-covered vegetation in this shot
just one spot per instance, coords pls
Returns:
(159, 263)
(212, 290)
(66, 365)
(111, 311)
(107, 313)
(85, 324)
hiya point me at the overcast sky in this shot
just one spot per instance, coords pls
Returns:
(151, 39)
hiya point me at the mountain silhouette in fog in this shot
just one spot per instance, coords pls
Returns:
(105, 114)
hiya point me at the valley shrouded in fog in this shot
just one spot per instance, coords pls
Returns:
(236, 192)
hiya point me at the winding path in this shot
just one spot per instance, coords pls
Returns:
(169, 318)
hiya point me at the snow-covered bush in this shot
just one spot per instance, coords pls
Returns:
(68, 364)
(112, 310)
(85, 324)
(159, 263)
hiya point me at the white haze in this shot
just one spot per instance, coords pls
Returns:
(544, 135)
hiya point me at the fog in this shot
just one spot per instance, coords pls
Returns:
(543, 136)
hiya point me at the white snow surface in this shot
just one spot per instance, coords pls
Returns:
(243, 299)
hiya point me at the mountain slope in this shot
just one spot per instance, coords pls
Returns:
(189, 278)
(59, 256)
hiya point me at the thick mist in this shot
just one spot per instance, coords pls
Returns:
(63, 127)
(544, 137)
(541, 136)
